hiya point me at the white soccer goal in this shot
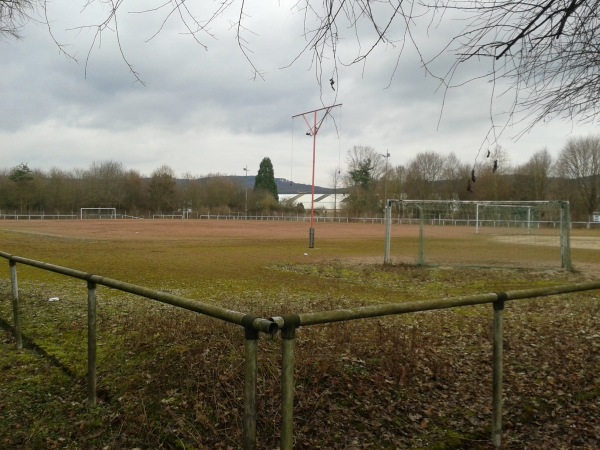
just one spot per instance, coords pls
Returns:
(482, 233)
(98, 213)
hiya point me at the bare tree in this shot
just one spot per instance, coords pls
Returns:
(59, 191)
(104, 182)
(490, 178)
(135, 191)
(365, 168)
(221, 194)
(397, 182)
(534, 176)
(365, 159)
(546, 49)
(580, 162)
(13, 14)
(163, 189)
(425, 171)
(454, 176)
(191, 191)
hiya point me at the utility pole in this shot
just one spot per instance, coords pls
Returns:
(312, 131)
(246, 183)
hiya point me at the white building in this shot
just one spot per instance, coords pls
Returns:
(328, 202)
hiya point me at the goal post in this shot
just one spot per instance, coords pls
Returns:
(97, 213)
(565, 235)
(487, 233)
(387, 259)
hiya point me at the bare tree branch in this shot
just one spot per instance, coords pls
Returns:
(13, 14)
(546, 51)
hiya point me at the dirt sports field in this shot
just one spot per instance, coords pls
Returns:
(200, 229)
(175, 229)
(453, 245)
(216, 245)
(207, 229)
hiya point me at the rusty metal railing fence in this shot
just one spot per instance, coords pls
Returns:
(291, 322)
(252, 327)
(288, 325)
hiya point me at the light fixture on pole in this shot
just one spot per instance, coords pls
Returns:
(312, 131)
(385, 175)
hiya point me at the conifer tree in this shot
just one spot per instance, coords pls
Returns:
(265, 179)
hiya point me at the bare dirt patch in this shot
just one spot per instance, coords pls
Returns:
(590, 243)
(195, 229)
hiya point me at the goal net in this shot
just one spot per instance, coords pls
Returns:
(98, 213)
(528, 234)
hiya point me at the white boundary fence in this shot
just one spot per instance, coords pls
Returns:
(97, 213)
(395, 220)
(37, 216)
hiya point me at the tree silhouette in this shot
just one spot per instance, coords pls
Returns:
(265, 178)
(22, 176)
(580, 161)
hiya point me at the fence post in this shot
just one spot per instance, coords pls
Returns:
(91, 381)
(250, 369)
(288, 334)
(497, 372)
(15, 303)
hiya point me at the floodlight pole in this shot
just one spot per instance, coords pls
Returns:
(385, 176)
(312, 131)
(246, 183)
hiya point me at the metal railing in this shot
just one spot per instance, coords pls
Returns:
(288, 325)
(252, 327)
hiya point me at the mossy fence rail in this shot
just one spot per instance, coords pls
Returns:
(288, 324)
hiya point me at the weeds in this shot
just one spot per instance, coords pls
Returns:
(172, 379)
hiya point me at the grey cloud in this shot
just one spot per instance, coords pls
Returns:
(198, 105)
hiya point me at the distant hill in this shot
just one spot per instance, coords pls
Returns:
(283, 186)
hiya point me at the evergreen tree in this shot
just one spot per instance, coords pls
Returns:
(22, 176)
(362, 176)
(265, 179)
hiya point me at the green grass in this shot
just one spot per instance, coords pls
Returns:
(171, 379)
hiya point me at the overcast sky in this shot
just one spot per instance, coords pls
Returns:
(202, 111)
